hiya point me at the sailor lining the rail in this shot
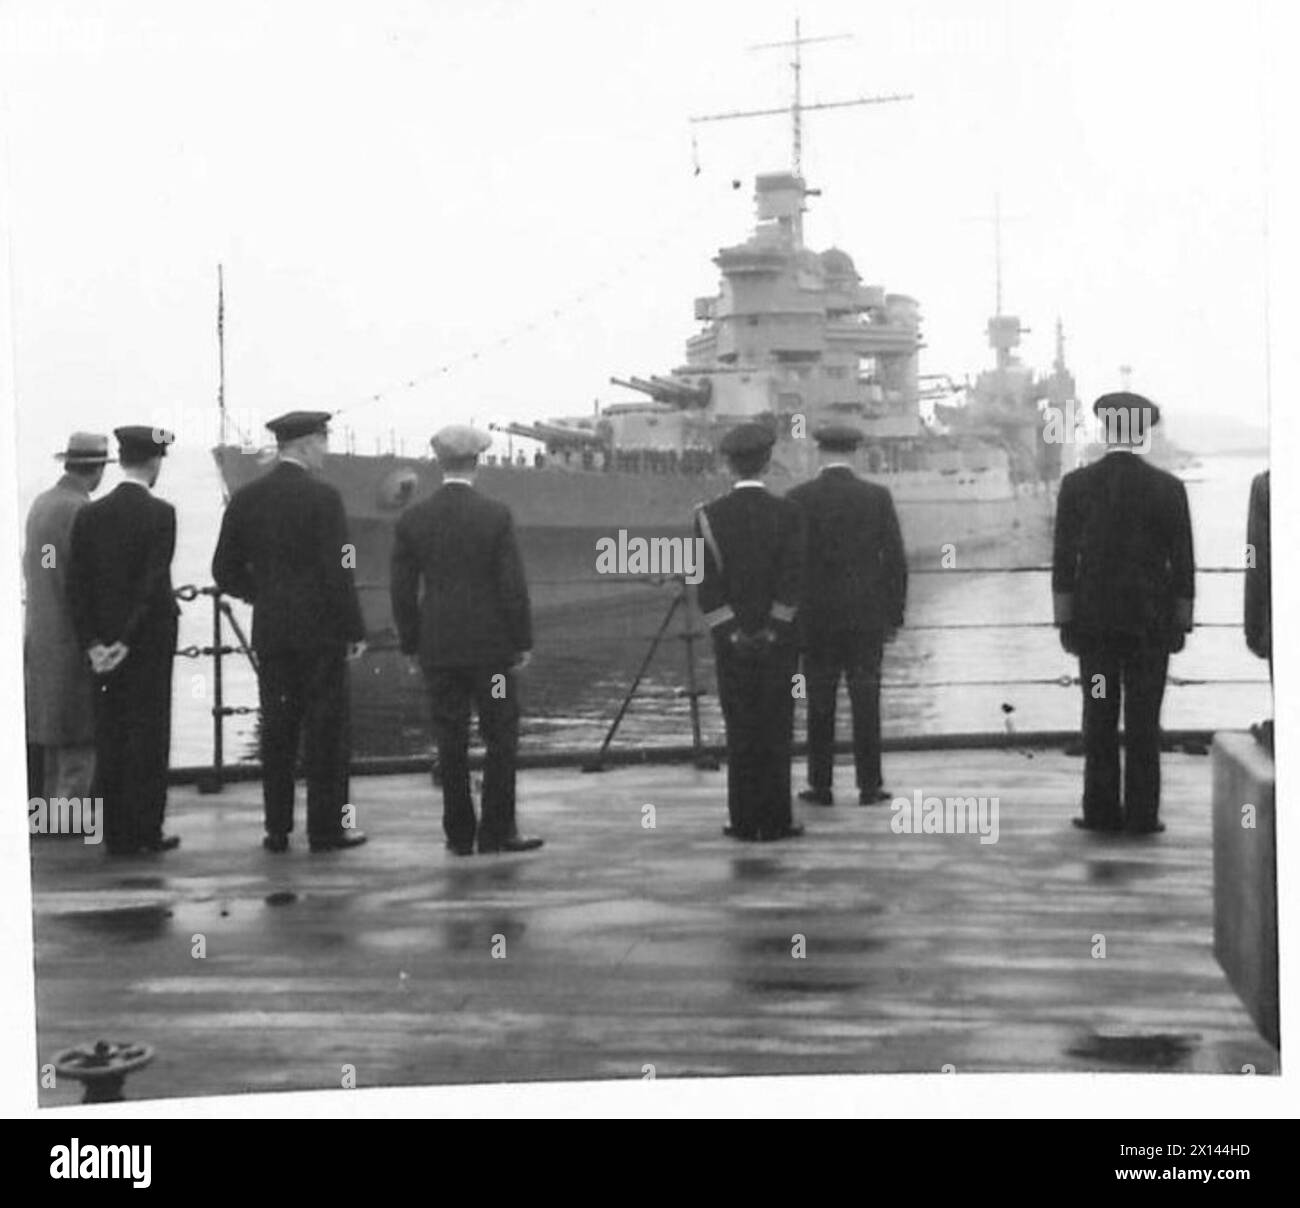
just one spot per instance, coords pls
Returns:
(749, 593)
(1123, 581)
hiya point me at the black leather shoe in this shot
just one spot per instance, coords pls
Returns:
(874, 796)
(344, 839)
(460, 849)
(1106, 828)
(162, 843)
(276, 843)
(734, 833)
(513, 843)
(817, 796)
(793, 831)
(1146, 828)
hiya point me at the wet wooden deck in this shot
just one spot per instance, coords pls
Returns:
(626, 946)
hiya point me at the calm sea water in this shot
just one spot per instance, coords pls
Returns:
(943, 680)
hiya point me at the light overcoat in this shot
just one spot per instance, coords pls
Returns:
(57, 675)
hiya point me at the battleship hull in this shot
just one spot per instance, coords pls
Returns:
(592, 630)
(561, 514)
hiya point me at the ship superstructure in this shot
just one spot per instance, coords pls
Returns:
(1009, 405)
(792, 338)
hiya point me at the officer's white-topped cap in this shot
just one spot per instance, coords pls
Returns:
(459, 440)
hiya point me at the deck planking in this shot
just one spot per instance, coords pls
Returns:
(627, 947)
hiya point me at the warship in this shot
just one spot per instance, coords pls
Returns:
(792, 338)
(1008, 405)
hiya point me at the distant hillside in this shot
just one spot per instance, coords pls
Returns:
(1205, 434)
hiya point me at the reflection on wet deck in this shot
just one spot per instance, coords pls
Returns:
(626, 947)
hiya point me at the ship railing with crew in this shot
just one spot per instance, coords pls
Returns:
(680, 626)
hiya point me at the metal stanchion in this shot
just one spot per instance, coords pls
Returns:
(212, 779)
(214, 782)
(703, 761)
(597, 764)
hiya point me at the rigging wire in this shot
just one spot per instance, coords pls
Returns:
(687, 221)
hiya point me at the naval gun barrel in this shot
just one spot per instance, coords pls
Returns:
(640, 385)
(690, 395)
(667, 390)
(551, 434)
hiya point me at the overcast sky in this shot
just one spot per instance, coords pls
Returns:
(395, 186)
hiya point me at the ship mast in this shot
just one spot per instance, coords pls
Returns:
(221, 349)
(997, 250)
(1004, 331)
(797, 108)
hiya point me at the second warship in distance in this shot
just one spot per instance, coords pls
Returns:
(1008, 405)
(792, 338)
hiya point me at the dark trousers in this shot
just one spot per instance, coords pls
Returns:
(304, 697)
(133, 718)
(492, 693)
(35, 770)
(757, 698)
(856, 656)
(1129, 672)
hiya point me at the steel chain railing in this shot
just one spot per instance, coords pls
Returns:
(223, 615)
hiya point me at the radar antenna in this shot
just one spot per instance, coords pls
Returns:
(797, 108)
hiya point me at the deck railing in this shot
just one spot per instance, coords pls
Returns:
(211, 778)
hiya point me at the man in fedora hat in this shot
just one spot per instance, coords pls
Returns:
(284, 548)
(855, 588)
(460, 604)
(1123, 582)
(57, 677)
(120, 592)
(749, 596)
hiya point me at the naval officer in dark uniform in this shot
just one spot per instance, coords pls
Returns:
(855, 588)
(124, 615)
(1258, 601)
(1123, 582)
(284, 548)
(749, 595)
(460, 604)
